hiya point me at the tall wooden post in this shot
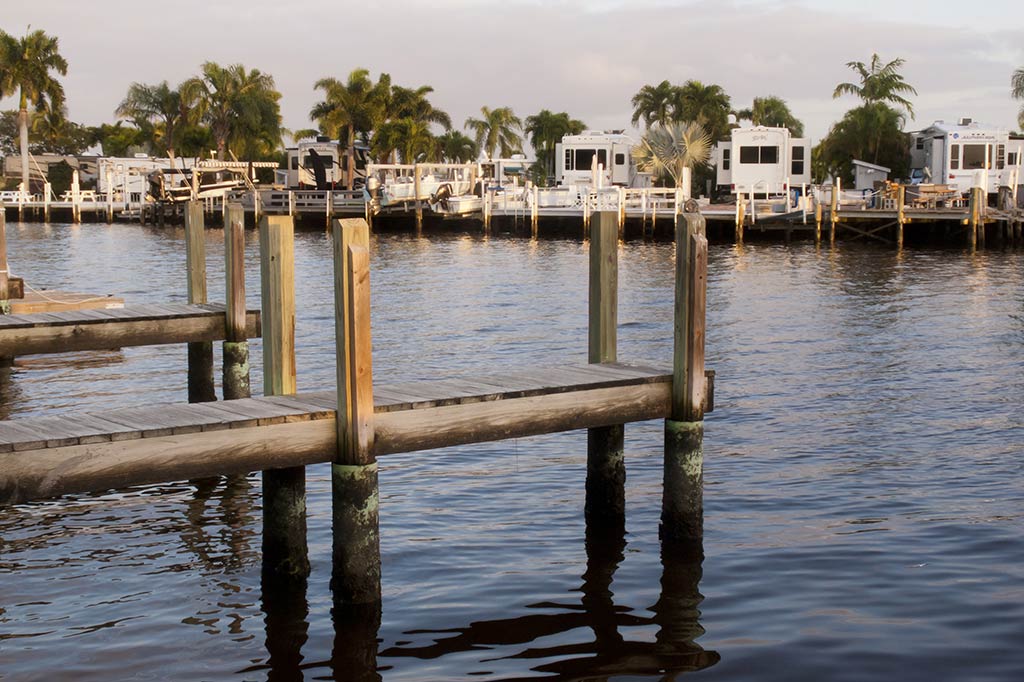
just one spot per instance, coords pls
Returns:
(682, 512)
(236, 347)
(980, 204)
(416, 190)
(606, 466)
(284, 490)
(901, 218)
(973, 213)
(5, 303)
(355, 577)
(834, 210)
(741, 210)
(200, 353)
(817, 220)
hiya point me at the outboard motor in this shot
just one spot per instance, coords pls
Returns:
(319, 170)
(372, 192)
(441, 196)
(156, 184)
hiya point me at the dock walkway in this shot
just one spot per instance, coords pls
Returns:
(94, 451)
(131, 325)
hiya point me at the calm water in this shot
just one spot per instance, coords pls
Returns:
(864, 480)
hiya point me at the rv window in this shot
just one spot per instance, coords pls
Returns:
(725, 159)
(1000, 157)
(584, 159)
(974, 156)
(954, 157)
(798, 153)
(748, 155)
(602, 157)
(620, 159)
(295, 163)
(769, 154)
(1011, 159)
(919, 143)
(798, 167)
(568, 160)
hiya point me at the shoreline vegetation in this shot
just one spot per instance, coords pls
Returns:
(231, 111)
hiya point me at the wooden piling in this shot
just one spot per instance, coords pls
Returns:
(973, 213)
(606, 467)
(416, 191)
(355, 577)
(834, 211)
(284, 490)
(901, 200)
(5, 303)
(682, 504)
(235, 377)
(200, 354)
(817, 220)
(741, 210)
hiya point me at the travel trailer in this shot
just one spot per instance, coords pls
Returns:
(578, 157)
(762, 160)
(322, 156)
(963, 155)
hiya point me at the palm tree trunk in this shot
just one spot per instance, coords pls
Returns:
(23, 130)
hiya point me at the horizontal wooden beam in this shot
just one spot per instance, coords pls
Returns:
(47, 472)
(63, 338)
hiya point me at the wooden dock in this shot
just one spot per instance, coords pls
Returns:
(89, 451)
(132, 325)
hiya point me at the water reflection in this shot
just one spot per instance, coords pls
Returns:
(611, 653)
(220, 537)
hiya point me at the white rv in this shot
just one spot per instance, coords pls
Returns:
(577, 158)
(762, 160)
(301, 166)
(963, 155)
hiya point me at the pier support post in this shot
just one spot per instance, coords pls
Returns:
(355, 576)
(416, 190)
(606, 466)
(834, 211)
(200, 354)
(741, 217)
(973, 213)
(901, 200)
(682, 511)
(236, 347)
(284, 490)
(5, 303)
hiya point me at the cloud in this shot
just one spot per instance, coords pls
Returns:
(578, 57)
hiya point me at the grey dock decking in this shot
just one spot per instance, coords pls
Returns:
(92, 451)
(132, 325)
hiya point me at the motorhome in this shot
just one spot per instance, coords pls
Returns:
(322, 155)
(598, 159)
(762, 160)
(963, 155)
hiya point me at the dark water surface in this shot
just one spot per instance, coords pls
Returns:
(863, 503)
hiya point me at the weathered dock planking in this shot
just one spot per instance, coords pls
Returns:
(95, 451)
(132, 325)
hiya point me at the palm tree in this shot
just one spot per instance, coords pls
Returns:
(1017, 90)
(412, 140)
(162, 107)
(669, 150)
(410, 103)
(546, 129)
(240, 107)
(497, 130)
(872, 132)
(25, 68)
(705, 104)
(653, 104)
(457, 147)
(351, 107)
(878, 83)
(772, 111)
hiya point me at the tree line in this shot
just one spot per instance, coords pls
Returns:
(235, 112)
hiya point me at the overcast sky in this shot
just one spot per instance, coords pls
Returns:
(587, 58)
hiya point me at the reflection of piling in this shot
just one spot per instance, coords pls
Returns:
(606, 466)
(605, 547)
(355, 577)
(200, 353)
(682, 505)
(354, 655)
(286, 622)
(284, 490)
(236, 347)
(677, 612)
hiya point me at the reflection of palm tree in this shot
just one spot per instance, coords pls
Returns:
(497, 130)
(878, 83)
(669, 150)
(25, 66)
(774, 112)
(1017, 90)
